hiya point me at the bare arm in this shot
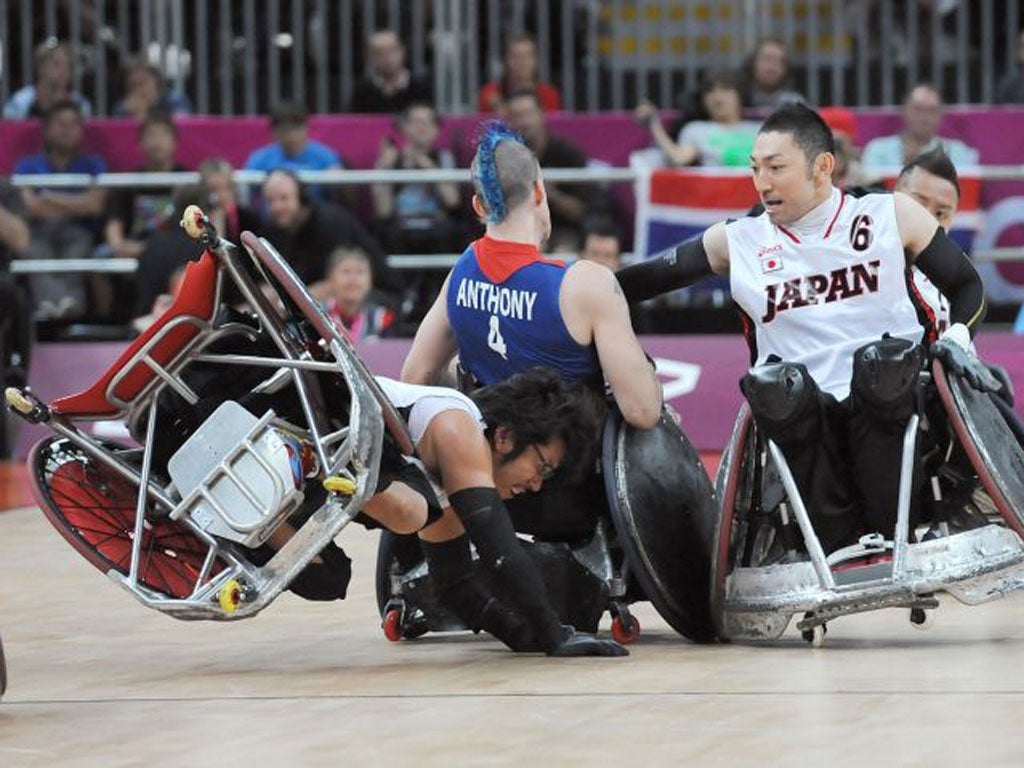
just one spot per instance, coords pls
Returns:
(678, 154)
(916, 225)
(591, 296)
(14, 231)
(434, 345)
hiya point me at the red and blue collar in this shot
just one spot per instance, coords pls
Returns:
(500, 259)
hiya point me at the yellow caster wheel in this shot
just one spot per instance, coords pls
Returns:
(340, 485)
(230, 596)
(18, 401)
(193, 221)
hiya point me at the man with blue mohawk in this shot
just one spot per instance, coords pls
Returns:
(505, 308)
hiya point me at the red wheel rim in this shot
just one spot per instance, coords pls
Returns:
(94, 510)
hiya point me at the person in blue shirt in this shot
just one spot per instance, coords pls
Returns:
(65, 221)
(505, 308)
(293, 150)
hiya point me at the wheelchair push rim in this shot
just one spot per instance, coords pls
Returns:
(93, 509)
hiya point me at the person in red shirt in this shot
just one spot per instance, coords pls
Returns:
(520, 74)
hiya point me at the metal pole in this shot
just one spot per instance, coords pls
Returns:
(273, 55)
(419, 34)
(936, 37)
(988, 40)
(227, 69)
(963, 30)
(321, 57)
(298, 51)
(470, 45)
(886, 11)
(99, 22)
(664, 62)
(494, 51)
(813, 41)
(838, 95)
(75, 34)
(347, 55)
(27, 43)
(249, 11)
(594, 56)
(862, 50)
(5, 53)
(568, 59)
(178, 34)
(913, 43)
(617, 53)
(202, 57)
(51, 18)
(544, 39)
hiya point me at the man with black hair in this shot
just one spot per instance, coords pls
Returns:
(293, 149)
(820, 277)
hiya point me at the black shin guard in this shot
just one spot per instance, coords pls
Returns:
(490, 529)
(885, 379)
(459, 591)
(784, 400)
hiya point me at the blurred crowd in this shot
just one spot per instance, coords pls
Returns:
(339, 245)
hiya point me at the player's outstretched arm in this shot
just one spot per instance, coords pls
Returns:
(434, 345)
(682, 265)
(593, 291)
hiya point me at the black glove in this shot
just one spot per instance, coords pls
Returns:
(961, 362)
(585, 645)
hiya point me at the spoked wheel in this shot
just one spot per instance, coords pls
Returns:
(93, 508)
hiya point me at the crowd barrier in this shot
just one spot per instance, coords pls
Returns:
(700, 375)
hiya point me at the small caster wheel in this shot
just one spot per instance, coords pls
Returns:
(625, 629)
(815, 635)
(921, 619)
(230, 596)
(392, 625)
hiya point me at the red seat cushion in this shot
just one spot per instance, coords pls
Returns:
(196, 298)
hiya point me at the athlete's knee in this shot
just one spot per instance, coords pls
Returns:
(885, 378)
(784, 400)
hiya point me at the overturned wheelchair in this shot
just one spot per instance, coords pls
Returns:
(641, 530)
(769, 564)
(245, 424)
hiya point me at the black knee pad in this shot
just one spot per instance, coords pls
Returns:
(326, 580)
(885, 378)
(784, 400)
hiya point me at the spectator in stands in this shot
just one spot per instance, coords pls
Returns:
(415, 217)
(145, 91)
(136, 212)
(307, 231)
(388, 85)
(520, 73)
(724, 138)
(293, 150)
(601, 244)
(922, 114)
(51, 85)
(767, 79)
(15, 327)
(348, 299)
(1010, 89)
(847, 170)
(227, 213)
(165, 256)
(570, 204)
(64, 221)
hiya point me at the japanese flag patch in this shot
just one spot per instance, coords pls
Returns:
(771, 259)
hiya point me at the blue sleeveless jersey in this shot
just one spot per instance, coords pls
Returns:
(503, 309)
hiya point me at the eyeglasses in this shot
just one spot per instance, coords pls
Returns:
(547, 469)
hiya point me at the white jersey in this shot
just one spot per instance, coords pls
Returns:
(420, 404)
(816, 298)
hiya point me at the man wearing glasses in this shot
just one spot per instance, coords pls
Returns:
(509, 438)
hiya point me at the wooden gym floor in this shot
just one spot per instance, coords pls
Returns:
(97, 680)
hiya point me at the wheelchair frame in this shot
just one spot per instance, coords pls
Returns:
(228, 585)
(757, 602)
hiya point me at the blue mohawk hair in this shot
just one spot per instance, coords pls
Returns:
(491, 134)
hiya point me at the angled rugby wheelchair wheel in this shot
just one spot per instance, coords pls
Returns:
(3, 670)
(300, 303)
(664, 510)
(93, 508)
(989, 443)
